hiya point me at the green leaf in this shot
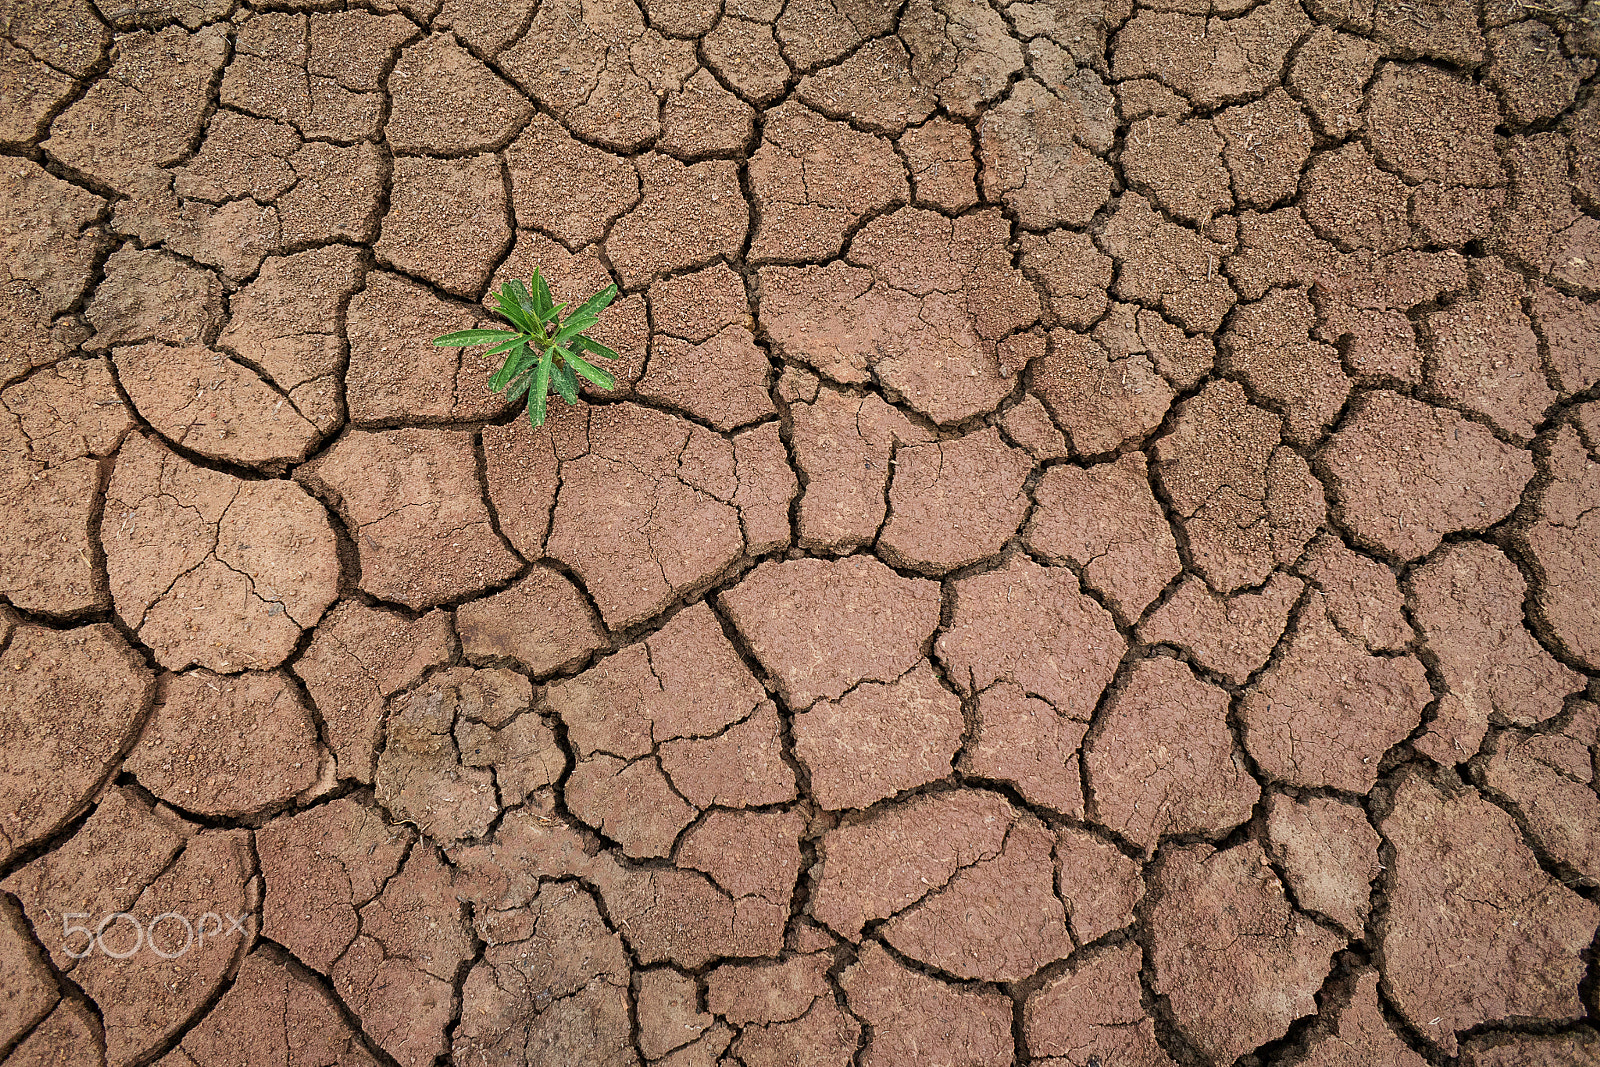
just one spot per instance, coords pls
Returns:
(538, 391)
(509, 369)
(598, 302)
(513, 311)
(566, 383)
(571, 328)
(552, 312)
(591, 372)
(519, 293)
(524, 360)
(594, 347)
(473, 337)
(541, 294)
(518, 387)
(516, 339)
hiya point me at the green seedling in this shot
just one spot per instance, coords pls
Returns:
(544, 354)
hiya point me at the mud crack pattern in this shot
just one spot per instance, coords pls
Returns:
(1092, 563)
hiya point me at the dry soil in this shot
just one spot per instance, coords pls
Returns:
(1094, 561)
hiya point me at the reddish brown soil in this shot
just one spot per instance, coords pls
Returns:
(1094, 560)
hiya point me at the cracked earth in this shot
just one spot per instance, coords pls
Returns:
(1093, 561)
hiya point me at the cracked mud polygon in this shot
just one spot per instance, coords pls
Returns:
(1093, 561)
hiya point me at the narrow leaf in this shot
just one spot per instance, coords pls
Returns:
(538, 392)
(516, 339)
(598, 302)
(552, 312)
(541, 293)
(519, 387)
(571, 328)
(513, 311)
(519, 293)
(508, 370)
(593, 373)
(594, 348)
(566, 383)
(473, 337)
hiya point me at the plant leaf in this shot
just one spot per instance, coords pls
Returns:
(566, 383)
(552, 312)
(473, 337)
(541, 294)
(538, 391)
(509, 369)
(520, 294)
(594, 347)
(512, 310)
(519, 387)
(516, 339)
(593, 373)
(572, 327)
(598, 302)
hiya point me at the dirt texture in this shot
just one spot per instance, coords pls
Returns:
(1091, 561)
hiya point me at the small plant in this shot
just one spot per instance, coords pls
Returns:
(542, 353)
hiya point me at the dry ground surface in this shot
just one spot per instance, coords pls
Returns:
(1094, 561)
